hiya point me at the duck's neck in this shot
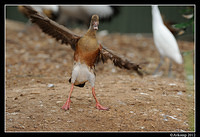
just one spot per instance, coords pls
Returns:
(91, 32)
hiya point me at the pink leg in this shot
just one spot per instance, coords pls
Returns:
(66, 106)
(97, 102)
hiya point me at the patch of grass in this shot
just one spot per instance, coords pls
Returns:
(191, 121)
(189, 70)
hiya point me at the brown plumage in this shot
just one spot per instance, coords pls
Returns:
(87, 51)
(52, 28)
(23, 11)
(106, 54)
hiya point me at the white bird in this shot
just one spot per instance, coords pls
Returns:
(164, 40)
(83, 13)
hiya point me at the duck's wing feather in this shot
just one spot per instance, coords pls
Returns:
(118, 61)
(52, 28)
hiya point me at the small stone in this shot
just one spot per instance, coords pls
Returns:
(14, 113)
(180, 93)
(150, 89)
(81, 110)
(142, 127)
(90, 111)
(131, 112)
(23, 127)
(8, 70)
(155, 110)
(186, 123)
(70, 121)
(144, 94)
(121, 103)
(40, 102)
(172, 84)
(113, 70)
(165, 119)
(144, 114)
(173, 117)
(58, 102)
(50, 85)
(190, 95)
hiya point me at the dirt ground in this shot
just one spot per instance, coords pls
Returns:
(34, 61)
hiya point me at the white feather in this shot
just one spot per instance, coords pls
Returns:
(163, 38)
(81, 73)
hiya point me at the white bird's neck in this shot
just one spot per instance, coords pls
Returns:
(156, 15)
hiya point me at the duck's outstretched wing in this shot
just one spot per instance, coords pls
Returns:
(106, 54)
(52, 28)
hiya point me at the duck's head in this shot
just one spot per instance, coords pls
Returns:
(94, 22)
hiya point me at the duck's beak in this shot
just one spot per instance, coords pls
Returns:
(95, 25)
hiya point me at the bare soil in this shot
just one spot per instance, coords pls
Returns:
(35, 60)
